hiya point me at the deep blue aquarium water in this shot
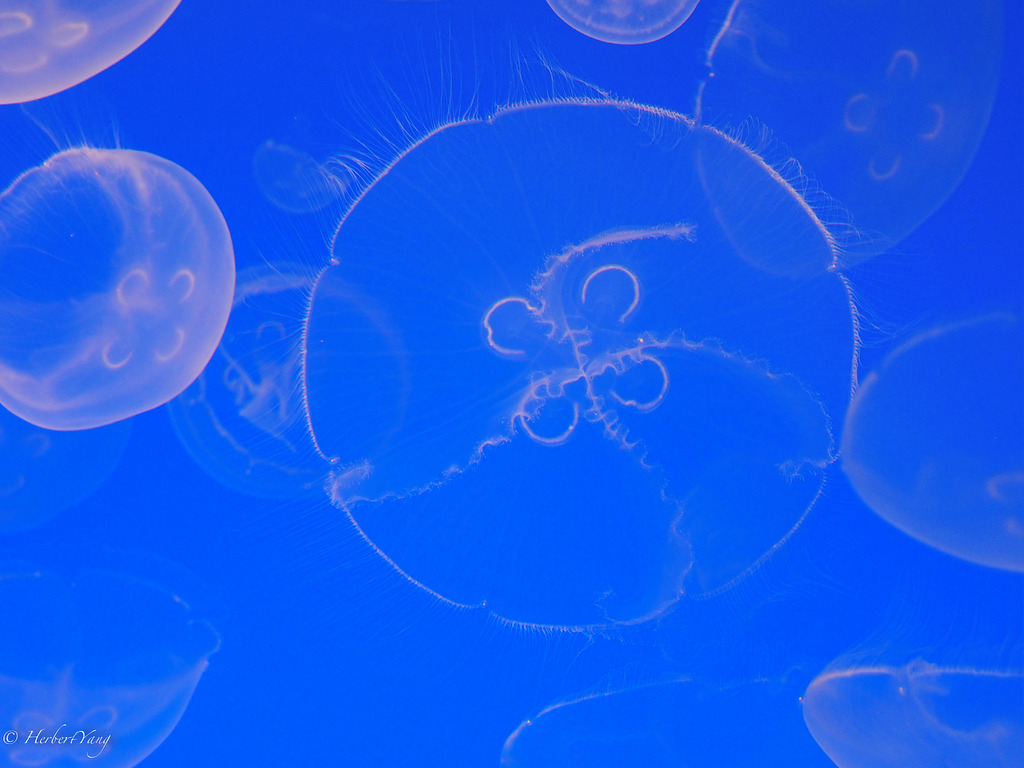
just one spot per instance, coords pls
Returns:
(515, 383)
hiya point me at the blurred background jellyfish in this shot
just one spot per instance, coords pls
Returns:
(679, 724)
(115, 658)
(934, 440)
(117, 277)
(629, 22)
(293, 181)
(47, 46)
(882, 105)
(43, 472)
(541, 416)
(243, 419)
(916, 715)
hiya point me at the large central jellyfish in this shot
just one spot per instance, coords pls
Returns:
(577, 359)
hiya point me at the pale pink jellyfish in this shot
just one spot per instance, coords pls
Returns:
(48, 46)
(629, 22)
(118, 274)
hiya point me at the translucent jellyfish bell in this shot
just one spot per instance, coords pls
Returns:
(916, 716)
(243, 419)
(117, 277)
(669, 724)
(115, 659)
(883, 104)
(624, 21)
(43, 472)
(293, 181)
(934, 440)
(47, 46)
(564, 394)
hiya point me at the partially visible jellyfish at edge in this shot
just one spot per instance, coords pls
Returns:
(629, 22)
(47, 46)
(917, 715)
(679, 722)
(934, 440)
(883, 104)
(541, 416)
(79, 666)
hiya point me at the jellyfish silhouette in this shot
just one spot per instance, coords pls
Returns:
(243, 419)
(79, 682)
(677, 722)
(934, 441)
(919, 714)
(293, 181)
(43, 472)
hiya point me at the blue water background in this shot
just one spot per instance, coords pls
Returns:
(327, 656)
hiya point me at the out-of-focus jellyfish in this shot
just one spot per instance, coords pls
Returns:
(624, 21)
(883, 104)
(294, 181)
(104, 673)
(43, 472)
(244, 419)
(934, 440)
(918, 715)
(584, 391)
(116, 277)
(47, 46)
(680, 723)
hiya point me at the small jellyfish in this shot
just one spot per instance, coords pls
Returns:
(628, 22)
(918, 715)
(883, 105)
(43, 472)
(294, 181)
(243, 419)
(579, 397)
(117, 277)
(104, 673)
(935, 437)
(679, 722)
(47, 46)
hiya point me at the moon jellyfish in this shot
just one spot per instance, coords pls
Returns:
(883, 104)
(117, 276)
(934, 440)
(624, 21)
(680, 723)
(548, 382)
(243, 419)
(917, 715)
(44, 472)
(105, 672)
(47, 46)
(294, 181)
